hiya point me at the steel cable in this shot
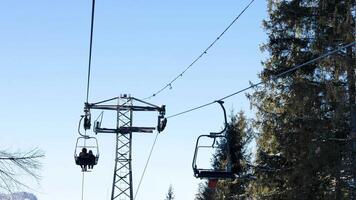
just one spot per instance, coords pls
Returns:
(90, 48)
(169, 85)
(262, 82)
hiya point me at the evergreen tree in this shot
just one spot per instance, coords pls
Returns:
(304, 117)
(204, 192)
(170, 194)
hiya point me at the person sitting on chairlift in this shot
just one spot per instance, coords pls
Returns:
(91, 159)
(83, 159)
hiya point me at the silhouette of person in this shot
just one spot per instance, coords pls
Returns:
(83, 159)
(91, 159)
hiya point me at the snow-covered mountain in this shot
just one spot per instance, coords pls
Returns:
(18, 196)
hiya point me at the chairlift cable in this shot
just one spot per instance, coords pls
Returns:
(146, 165)
(90, 48)
(270, 79)
(88, 78)
(240, 91)
(169, 85)
(83, 185)
(83, 173)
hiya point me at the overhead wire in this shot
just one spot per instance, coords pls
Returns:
(146, 165)
(169, 85)
(90, 48)
(270, 79)
(88, 78)
(82, 186)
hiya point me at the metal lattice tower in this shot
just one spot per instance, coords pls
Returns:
(122, 182)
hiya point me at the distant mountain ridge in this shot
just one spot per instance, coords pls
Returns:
(18, 196)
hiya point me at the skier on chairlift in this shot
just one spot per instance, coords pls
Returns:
(91, 159)
(83, 158)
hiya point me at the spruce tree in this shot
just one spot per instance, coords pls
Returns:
(205, 193)
(170, 194)
(304, 117)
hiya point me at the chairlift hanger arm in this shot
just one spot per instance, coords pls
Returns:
(221, 103)
(80, 122)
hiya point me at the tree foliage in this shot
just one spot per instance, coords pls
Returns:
(170, 194)
(304, 117)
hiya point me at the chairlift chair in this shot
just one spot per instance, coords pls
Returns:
(89, 143)
(210, 173)
(213, 174)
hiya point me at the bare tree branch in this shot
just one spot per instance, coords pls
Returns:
(14, 166)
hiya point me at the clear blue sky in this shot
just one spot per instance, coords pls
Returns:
(138, 47)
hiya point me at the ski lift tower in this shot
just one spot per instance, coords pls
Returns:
(122, 181)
